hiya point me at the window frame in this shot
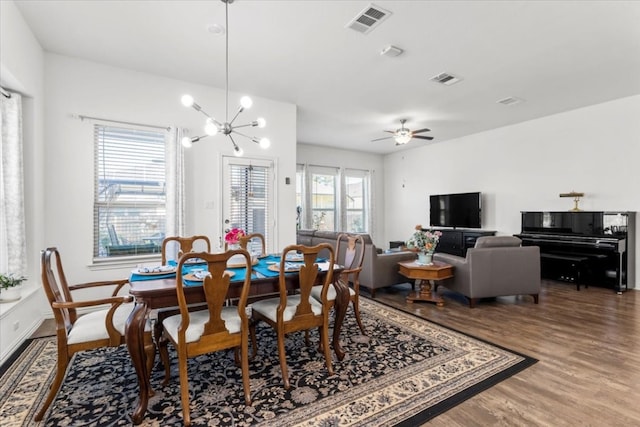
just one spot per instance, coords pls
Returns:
(304, 192)
(146, 136)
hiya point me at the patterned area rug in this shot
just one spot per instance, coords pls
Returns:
(405, 372)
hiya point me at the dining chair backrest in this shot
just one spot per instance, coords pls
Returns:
(216, 287)
(350, 250)
(307, 275)
(250, 241)
(175, 246)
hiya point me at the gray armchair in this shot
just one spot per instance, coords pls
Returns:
(496, 266)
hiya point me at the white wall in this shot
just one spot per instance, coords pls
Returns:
(328, 156)
(21, 70)
(524, 167)
(79, 87)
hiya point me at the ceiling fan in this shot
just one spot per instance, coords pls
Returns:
(404, 135)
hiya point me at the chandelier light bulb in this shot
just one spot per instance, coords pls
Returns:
(210, 128)
(237, 151)
(261, 122)
(265, 143)
(246, 102)
(187, 100)
(186, 142)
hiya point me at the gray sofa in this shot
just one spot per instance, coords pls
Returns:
(496, 266)
(379, 269)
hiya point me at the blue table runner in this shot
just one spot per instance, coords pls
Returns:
(262, 267)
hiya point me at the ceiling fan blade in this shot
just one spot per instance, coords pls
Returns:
(423, 137)
(380, 139)
(421, 130)
(389, 131)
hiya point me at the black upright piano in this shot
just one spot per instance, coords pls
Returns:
(585, 248)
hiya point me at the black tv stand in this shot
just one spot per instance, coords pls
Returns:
(456, 241)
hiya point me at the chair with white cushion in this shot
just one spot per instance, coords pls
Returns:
(100, 328)
(250, 241)
(173, 247)
(299, 312)
(217, 327)
(350, 254)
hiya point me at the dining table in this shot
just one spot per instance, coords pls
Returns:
(155, 288)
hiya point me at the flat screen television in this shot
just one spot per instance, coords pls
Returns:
(456, 210)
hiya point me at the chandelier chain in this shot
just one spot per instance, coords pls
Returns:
(226, 60)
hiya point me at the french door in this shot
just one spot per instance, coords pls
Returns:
(248, 199)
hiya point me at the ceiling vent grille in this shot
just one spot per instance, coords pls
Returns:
(510, 100)
(368, 19)
(446, 79)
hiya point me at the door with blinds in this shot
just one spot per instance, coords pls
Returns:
(248, 199)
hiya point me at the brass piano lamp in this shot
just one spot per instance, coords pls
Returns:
(576, 199)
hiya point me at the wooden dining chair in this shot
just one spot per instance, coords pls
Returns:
(219, 327)
(99, 328)
(298, 312)
(350, 254)
(248, 242)
(174, 247)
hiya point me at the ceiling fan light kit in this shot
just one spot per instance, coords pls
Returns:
(213, 126)
(403, 135)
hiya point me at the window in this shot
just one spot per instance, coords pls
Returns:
(130, 191)
(248, 199)
(333, 199)
(323, 198)
(355, 196)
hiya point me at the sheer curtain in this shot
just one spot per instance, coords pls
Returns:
(175, 183)
(12, 227)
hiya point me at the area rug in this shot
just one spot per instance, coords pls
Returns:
(404, 372)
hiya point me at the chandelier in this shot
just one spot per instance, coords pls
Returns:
(213, 126)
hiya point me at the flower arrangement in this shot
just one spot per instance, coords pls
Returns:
(424, 241)
(233, 236)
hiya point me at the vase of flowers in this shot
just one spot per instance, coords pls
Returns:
(233, 237)
(424, 242)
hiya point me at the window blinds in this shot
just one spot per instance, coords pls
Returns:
(130, 191)
(249, 200)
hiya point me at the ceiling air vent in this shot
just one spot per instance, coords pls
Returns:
(510, 100)
(446, 79)
(370, 17)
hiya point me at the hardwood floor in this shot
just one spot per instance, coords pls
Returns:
(587, 343)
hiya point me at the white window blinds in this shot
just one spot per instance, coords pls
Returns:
(130, 191)
(249, 205)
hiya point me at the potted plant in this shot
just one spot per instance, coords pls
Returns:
(10, 287)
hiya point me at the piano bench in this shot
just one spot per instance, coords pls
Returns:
(577, 264)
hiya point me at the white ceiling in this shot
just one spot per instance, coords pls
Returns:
(556, 55)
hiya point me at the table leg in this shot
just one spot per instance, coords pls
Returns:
(425, 294)
(341, 304)
(135, 344)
